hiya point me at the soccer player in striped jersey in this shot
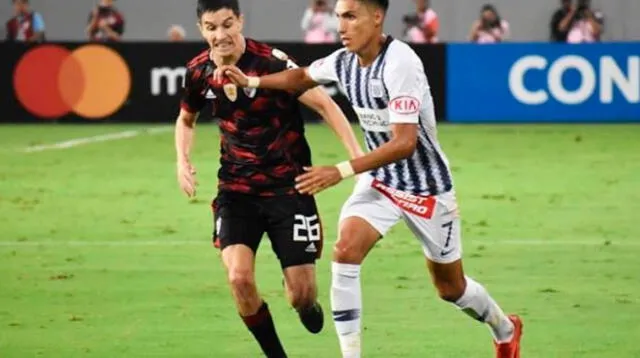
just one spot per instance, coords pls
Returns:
(407, 174)
(262, 150)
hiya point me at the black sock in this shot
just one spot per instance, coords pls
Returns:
(261, 326)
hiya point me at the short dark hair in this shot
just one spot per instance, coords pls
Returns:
(215, 5)
(383, 4)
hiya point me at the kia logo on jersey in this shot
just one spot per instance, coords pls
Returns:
(405, 105)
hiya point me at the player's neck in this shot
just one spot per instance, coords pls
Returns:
(231, 59)
(368, 54)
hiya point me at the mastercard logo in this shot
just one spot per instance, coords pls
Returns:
(92, 81)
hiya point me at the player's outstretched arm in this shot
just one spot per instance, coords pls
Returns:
(319, 101)
(184, 134)
(296, 79)
(401, 146)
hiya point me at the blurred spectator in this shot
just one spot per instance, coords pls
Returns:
(582, 24)
(412, 32)
(176, 33)
(26, 25)
(489, 28)
(106, 23)
(319, 23)
(557, 34)
(423, 25)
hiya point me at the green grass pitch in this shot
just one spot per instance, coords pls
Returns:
(102, 256)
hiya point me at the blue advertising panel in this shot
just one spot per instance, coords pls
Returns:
(543, 83)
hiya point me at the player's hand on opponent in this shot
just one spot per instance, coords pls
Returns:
(187, 178)
(233, 73)
(317, 179)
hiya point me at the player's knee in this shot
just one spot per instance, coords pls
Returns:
(348, 249)
(450, 291)
(347, 253)
(241, 280)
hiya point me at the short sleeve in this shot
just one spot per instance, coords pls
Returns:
(406, 84)
(323, 71)
(193, 99)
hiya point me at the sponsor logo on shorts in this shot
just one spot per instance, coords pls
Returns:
(311, 248)
(422, 206)
(445, 253)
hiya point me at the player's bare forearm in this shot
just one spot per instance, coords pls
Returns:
(319, 101)
(296, 79)
(401, 146)
(184, 134)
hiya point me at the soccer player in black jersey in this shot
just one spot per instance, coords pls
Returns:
(263, 149)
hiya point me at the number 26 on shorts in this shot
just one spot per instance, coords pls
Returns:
(306, 228)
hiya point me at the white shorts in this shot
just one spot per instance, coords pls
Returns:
(434, 220)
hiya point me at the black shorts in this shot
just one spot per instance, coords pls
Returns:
(291, 222)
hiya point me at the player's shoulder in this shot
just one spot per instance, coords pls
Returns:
(271, 55)
(258, 48)
(266, 51)
(198, 60)
(401, 53)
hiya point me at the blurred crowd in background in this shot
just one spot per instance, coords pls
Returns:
(574, 21)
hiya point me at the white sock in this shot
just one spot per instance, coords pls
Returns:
(346, 304)
(477, 303)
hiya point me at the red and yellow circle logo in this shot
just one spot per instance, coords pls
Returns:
(92, 81)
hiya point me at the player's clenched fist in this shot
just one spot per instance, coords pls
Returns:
(187, 178)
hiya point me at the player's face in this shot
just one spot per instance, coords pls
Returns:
(222, 30)
(359, 23)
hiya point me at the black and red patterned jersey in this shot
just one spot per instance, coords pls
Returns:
(262, 142)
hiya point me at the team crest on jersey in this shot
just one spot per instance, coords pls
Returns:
(231, 91)
(376, 88)
(250, 92)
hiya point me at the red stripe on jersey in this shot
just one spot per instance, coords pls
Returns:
(259, 48)
(198, 60)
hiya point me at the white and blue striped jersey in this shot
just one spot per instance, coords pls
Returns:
(394, 89)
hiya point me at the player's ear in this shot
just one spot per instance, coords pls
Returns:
(378, 16)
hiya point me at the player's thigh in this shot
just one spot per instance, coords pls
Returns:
(294, 228)
(237, 221)
(239, 261)
(439, 234)
(366, 216)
